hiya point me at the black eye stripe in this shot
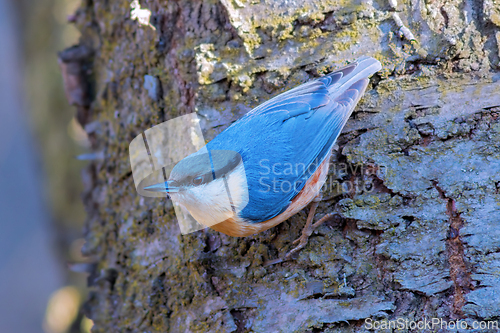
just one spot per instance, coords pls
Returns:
(224, 166)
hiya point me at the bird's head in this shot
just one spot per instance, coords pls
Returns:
(211, 185)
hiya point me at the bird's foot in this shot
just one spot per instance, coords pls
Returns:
(306, 232)
(302, 240)
(308, 229)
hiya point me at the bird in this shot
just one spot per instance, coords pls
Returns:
(272, 162)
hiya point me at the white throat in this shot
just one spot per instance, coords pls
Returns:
(217, 200)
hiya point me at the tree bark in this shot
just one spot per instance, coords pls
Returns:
(415, 177)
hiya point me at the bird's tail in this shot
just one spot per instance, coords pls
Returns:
(347, 85)
(347, 77)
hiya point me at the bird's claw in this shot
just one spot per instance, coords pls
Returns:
(306, 232)
(302, 240)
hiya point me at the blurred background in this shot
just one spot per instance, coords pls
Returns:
(41, 214)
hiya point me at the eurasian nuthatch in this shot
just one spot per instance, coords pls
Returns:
(279, 160)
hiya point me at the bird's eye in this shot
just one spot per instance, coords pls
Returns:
(198, 180)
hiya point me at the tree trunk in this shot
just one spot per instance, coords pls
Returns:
(415, 178)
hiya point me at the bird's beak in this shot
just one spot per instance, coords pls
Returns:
(166, 187)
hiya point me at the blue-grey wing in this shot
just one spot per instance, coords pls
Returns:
(283, 141)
